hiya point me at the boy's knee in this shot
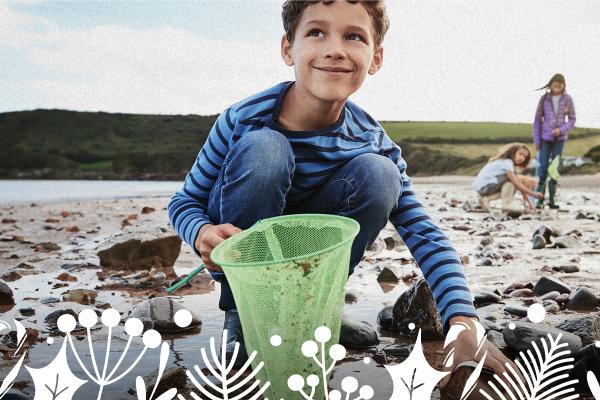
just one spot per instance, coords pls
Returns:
(267, 152)
(378, 179)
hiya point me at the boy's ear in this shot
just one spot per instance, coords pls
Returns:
(286, 51)
(377, 61)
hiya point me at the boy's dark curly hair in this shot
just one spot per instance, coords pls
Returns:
(292, 10)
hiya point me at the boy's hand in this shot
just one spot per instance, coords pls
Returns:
(465, 349)
(209, 237)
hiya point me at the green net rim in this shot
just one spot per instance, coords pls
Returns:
(216, 252)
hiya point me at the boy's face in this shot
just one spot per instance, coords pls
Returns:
(557, 87)
(333, 49)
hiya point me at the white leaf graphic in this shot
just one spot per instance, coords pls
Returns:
(472, 381)
(593, 384)
(9, 379)
(140, 388)
(55, 381)
(414, 378)
(544, 374)
(168, 395)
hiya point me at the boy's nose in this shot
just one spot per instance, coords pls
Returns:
(335, 49)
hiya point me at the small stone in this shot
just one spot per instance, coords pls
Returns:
(388, 275)
(27, 312)
(11, 276)
(550, 296)
(46, 247)
(73, 229)
(65, 214)
(8, 221)
(385, 318)
(562, 299)
(66, 277)
(522, 293)
(521, 338)
(392, 242)
(539, 242)
(546, 232)
(174, 377)
(487, 262)
(547, 284)
(147, 210)
(357, 334)
(497, 338)
(551, 306)
(49, 299)
(52, 318)
(569, 269)
(485, 298)
(416, 305)
(582, 299)
(351, 296)
(516, 310)
(464, 260)
(6, 295)
(81, 296)
(565, 242)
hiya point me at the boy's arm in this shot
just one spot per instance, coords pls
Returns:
(188, 206)
(432, 250)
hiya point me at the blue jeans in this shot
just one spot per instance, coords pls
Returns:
(548, 151)
(256, 177)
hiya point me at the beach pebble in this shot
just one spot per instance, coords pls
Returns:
(587, 359)
(546, 232)
(562, 299)
(351, 296)
(392, 242)
(159, 314)
(416, 305)
(46, 247)
(569, 268)
(11, 276)
(587, 328)
(388, 275)
(547, 284)
(81, 296)
(521, 338)
(385, 318)
(135, 253)
(516, 310)
(539, 242)
(66, 277)
(550, 296)
(522, 293)
(147, 210)
(485, 298)
(582, 299)
(357, 334)
(551, 306)
(565, 242)
(6, 295)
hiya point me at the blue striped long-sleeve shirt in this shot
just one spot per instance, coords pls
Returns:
(318, 154)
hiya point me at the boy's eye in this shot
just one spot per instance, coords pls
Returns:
(355, 36)
(314, 32)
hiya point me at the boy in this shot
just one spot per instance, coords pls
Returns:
(302, 146)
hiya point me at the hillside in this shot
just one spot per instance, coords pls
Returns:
(69, 144)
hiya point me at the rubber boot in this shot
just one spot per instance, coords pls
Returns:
(542, 190)
(552, 194)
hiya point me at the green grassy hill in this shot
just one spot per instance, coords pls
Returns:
(69, 144)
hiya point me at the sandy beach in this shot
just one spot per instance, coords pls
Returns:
(42, 240)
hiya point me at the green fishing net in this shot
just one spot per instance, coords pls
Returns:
(287, 275)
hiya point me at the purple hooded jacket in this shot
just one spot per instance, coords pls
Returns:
(546, 120)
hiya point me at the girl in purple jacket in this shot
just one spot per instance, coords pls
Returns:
(554, 118)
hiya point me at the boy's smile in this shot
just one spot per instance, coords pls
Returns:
(332, 51)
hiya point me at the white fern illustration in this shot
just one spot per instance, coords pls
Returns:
(337, 352)
(593, 384)
(220, 369)
(140, 385)
(543, 373)
(8, 381)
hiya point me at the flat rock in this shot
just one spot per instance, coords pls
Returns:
(582, 299)
(417, 305)
(547, 284)
(565, 242)
(159, 314)
(568, 268)
(357, 334)
(525, 333)
(136, 253)
(587, 328)
(516, 310)
(485, 298)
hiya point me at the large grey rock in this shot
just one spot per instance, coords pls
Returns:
(357, 334)
(417, 305)
(587, 328)
(547, 284)
(587, 359)
(582, 299)
(525, 333)
(159, 314)
(142, 252)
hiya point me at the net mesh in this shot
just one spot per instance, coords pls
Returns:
(287, 275)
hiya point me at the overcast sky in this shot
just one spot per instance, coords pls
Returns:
(443, 60)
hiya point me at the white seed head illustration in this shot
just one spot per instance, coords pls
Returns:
(366, 392)
(309, 348)
(134, 327)
(349, 384)
(337, 352)
(367, 360)
(151, 338)
(66, 323)
(512, 326)
(276, 340)
(335, 395)
(597, 343)
(322, 334)
(295, 383)
(111, 317)
(536, 313)
(411, 326)
(183, 318)
(312, 380)
(88, 318)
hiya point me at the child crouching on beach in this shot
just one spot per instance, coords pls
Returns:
(498, 179)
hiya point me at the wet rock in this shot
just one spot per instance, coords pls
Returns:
(9, 341)
(482, 299)
(357, 334)
(158, 313)
(525, 333)
(582, 299)
(569, 268)
(550, 296)
(516, 310)
(81, 296)
(52, 318)
(486, 241)
(27, 312)
(551, 306)
(409, 276)
(159, 252)
(547, 284)
(385, 318)
(66, 277)
(539, 242)
(522, 293)
(392, 242)
(546, 232)
(174, 377)
(586, 359)
(587, 328)
(351, 296)
(46, 247)
(6, 295)
(398, 350)
(417, 305)
(562, 299)
(147, 210)
(388, 275)
(565, 242)
(11, 276)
